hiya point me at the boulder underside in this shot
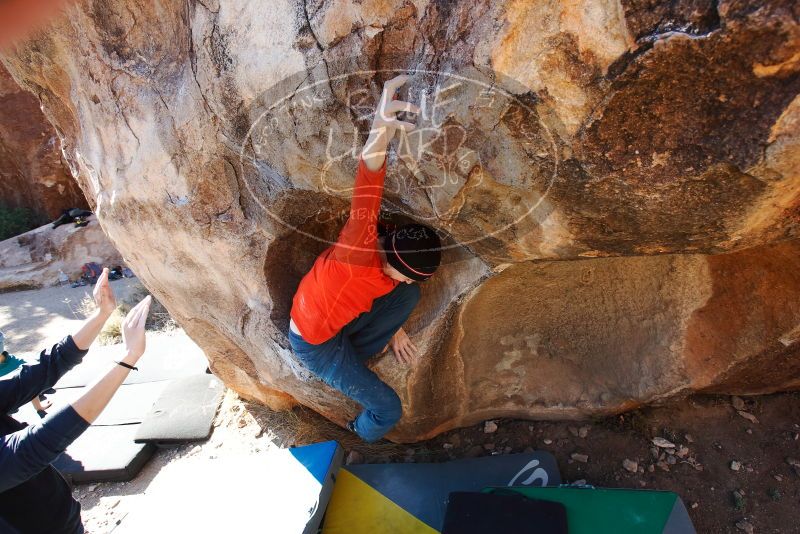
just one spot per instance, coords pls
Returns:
(617, 182)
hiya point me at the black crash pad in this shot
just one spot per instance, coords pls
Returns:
(104, 454)
(184, 412)
(479, 513)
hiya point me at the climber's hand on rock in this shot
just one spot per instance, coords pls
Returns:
(104, 295)
(404, 350)
(386, 124)
(388, 108)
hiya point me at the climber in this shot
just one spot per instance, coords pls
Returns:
(360, 291)
(33, 496)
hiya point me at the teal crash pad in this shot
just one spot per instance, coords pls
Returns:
(612, 511)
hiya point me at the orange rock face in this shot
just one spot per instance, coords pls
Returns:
(617, 182)
(32, 173)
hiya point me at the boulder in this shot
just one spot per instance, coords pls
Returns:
(34, 259)
(617, 182)
(32, 173)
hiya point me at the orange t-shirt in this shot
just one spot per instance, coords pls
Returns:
(348, 276)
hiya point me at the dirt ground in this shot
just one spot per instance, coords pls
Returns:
(34, 319)
(767, 483)
(763, 493)
(737, 469)
(709, 427)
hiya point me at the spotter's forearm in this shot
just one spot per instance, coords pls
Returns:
(98, 395)
(90, 329)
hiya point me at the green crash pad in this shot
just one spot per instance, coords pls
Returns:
(613, 511)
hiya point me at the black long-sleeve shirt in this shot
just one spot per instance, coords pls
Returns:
(33, 496)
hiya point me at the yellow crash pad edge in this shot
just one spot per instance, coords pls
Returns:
(357, 508)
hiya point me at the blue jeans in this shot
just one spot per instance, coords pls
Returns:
(340, 361)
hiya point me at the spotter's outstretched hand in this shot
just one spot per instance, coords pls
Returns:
(103, 294)
(133, 327)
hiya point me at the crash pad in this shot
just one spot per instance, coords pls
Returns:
(480, 513)
(184, 412)
(130, 404)
(610, 511)
(277, 490)
(413, 497)
(104, 453)
(161, 361)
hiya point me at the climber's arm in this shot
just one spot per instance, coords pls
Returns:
(386, 124)
(374, 151)
(357, 240)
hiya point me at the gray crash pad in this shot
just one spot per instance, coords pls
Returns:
(184, 412)
(130, 404)
(162, 361)
(104, 454)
